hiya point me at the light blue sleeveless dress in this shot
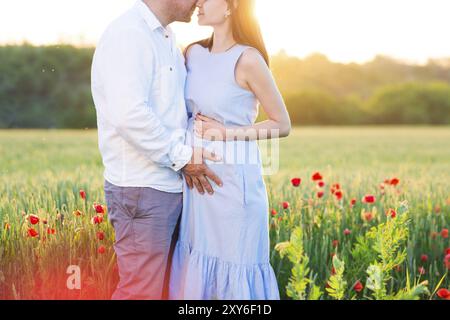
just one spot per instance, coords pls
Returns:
(222, 250)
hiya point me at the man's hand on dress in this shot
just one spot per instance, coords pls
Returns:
(197, 172)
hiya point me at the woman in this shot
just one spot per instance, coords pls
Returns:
(222, 250)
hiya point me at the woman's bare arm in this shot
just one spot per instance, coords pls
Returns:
(252, 73)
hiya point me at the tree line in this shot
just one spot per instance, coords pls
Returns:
(49, 87)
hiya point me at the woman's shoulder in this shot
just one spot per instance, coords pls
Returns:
(251, 58)
(192, 49)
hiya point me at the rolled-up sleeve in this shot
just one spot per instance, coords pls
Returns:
(128, 71)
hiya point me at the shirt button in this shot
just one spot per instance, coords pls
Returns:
(173, 164)
(167, 36)
(171, 69)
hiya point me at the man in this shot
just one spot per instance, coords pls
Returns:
(138, 78)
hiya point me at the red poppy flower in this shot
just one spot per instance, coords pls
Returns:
(391, 213)
(424, 258)
(334, 187)
(51, 231)
(368, 216)
(34, 219)
(321, 184)
(421, 270)
(316, 176)
(285, 205)
(368, 199)
(358, 286)
(320, 194)
(274, 212)
(97, 219)
(447, 261)
(99, 208)
(347, 232)
(83, 194)
(444, 233)
(296, 181)
(338, 194)
(443, 294)
(394, 181)
(333, 271)
(77, 213)
(101, 250)
(280, 218)
(353, 202)
(32, 233)
(335, 243)
(100, 235)
(447, 251)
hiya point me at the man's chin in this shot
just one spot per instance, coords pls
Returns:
(186, 19)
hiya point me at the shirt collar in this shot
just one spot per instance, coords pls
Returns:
(150, 18)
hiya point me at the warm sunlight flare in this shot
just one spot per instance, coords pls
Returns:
(345, 30)
(356, 30)
(319, 171)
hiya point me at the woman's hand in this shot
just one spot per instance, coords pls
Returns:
(209, 129)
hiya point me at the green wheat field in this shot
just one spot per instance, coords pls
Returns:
(390, 242)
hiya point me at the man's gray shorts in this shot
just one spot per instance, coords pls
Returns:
(145, 222)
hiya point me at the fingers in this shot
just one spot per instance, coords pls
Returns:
(198, 123)
(189, 181)
(211, 175)
(201, 117)
(198, 129)
(206, 185)
(201, 181)
(198, 185)
(198, 134)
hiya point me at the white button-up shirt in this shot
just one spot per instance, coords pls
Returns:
(138, 77)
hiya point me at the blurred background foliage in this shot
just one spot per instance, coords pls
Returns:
(49, 87)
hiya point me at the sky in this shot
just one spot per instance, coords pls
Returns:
(343, 30)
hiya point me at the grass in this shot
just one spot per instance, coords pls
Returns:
(41, 172)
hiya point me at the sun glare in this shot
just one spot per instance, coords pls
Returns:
(344, 30)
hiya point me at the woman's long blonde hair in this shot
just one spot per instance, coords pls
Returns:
(245, 28)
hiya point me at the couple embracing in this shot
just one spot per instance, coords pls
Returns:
(178, 139)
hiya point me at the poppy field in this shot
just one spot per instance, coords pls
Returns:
(355, 213)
